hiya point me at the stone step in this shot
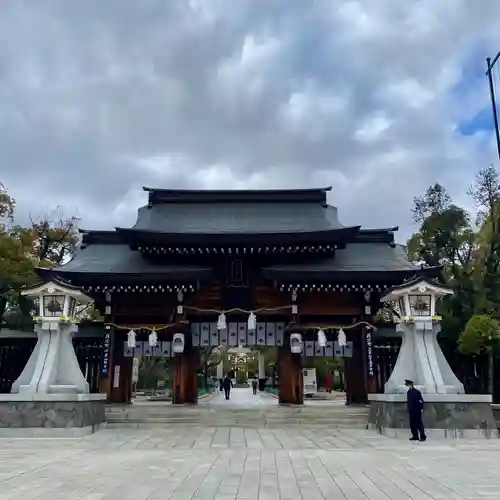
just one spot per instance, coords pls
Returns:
(236, 414)
(157, 416)
(227, 418)
(139, 424)
(233, 411)
(237, 418)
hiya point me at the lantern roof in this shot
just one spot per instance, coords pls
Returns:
(418, 284)
(56, 286)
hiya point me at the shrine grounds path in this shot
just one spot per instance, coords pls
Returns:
(195, 463)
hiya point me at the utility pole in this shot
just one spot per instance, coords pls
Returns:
(490, 64)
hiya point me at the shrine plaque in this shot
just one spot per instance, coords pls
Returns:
(147, 350)
(242, 334)
(270, 334)
(214, 335)
(309, 348)
(232, 333)
(318, 350)
(223, 336)
(195, 334)
(329, 348)
(205, 335)
(166, 350)
(157, 350)
(261, 334)
(251, 337)
(128, 352)
(138, 348)
(280, 333)
(348, 349)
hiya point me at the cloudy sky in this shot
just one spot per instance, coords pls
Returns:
(376, 98)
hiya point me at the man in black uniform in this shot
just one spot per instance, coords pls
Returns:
(415, 403)
(227, 384)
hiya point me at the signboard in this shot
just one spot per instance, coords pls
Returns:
(135, 370)
(116, 377)
(105, 355)
(309, 378)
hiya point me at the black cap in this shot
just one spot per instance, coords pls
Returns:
(408, 382)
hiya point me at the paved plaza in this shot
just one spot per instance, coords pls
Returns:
(194, 463)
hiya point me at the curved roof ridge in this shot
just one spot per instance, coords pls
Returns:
(311, 195)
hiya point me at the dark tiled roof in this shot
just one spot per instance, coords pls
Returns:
(356, 259)
(238, 218)
(116, 259)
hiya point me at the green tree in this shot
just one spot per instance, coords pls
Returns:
(486, 195)
(481, 335)
(210, 357)
(152, 370)
(447, 238)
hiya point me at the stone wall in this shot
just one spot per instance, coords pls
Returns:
(50, 414)
(437, 415)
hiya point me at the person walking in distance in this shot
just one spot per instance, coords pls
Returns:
(228, 383)
(255, 383)
(415, 403)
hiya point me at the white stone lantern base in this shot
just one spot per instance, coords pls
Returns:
(421, 360)
(53, 367)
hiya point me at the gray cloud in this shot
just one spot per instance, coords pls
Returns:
(99, 98)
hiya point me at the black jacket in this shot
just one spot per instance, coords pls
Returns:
(227, 383)
(414, 400)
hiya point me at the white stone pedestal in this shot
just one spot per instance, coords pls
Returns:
(422, 361)
(53, 367)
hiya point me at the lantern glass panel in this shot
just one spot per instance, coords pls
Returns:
(36, 306)
(420, 305)
(71, 306)
(401, 307)
(53, 305)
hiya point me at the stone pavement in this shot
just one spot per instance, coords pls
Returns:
(190, 463)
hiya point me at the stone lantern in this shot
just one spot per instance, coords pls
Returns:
(53, 367)
(421, 360)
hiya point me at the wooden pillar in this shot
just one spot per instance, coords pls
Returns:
(291, 384)
(120, 371)
(355, 375)
(185, 386)
(185, 383)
